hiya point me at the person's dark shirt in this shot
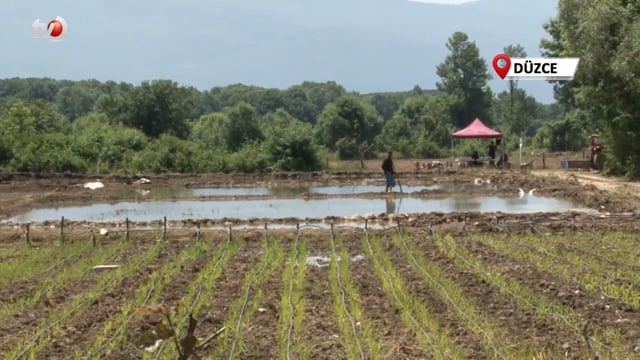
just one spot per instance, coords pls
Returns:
(387, 165)
(492, 151)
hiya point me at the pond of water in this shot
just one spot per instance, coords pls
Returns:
(286, 191)
(298, 208)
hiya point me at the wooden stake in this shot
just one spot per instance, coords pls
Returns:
(62, 229)
(27, 235)
(164, 228)
(126, 231)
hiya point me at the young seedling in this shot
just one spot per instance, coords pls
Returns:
(165, 329)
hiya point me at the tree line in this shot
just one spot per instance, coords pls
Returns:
(162, 126)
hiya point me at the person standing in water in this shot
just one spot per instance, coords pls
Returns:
(389, 172)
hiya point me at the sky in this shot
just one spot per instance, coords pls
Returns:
(365, 45)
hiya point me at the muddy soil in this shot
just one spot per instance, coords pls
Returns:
(91, 326)
(601, 311)
(17, 328)
(321, 332)
(397, 341)
(525, 329)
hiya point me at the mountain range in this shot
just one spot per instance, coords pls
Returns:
(367, 46)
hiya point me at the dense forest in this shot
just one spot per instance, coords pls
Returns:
(162, 126)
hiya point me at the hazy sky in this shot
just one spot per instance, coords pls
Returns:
(366, 45)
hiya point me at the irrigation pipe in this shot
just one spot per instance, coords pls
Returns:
(343, 294)
(104, 343)
(73, 310)
(445, 293)
(196, 298)
(290, 303)
(246, 298)
(560, 260)
(518, 296)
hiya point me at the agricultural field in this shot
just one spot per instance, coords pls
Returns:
(448, 291)
(458, 285)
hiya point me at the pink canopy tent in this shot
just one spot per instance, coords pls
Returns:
(476, 130)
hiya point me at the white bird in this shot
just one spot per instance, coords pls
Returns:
(142, 181)
(94, 185)
(103, 232)
(521, 192)
(479, 181)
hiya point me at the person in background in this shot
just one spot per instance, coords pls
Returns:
(389, 172)
(475, 157)
(492, 153)
(503, 163)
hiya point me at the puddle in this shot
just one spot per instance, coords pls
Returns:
(324, 261)
(325, 190)
(294, 208)
(276, 191)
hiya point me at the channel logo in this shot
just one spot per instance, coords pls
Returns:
(547, 69)
(55, 30)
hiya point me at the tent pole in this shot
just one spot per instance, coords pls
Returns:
(452, 152)
(502, 146)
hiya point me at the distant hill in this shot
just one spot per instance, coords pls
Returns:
(368, 46)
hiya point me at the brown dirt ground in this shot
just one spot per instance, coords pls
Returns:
(321, 331)
(601, 311)
(89, 327)
(12, 330)
(19, 192)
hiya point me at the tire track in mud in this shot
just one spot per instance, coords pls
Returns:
(398, 342)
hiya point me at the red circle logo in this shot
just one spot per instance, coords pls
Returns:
(55, 28)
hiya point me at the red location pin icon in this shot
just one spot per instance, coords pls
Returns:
(504, 70)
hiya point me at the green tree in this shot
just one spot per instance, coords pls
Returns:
(159, 107)
(603, 34)
(48, 152)
(349, 126)
(419, 128)
(106, 147)
(464, 75)
(242, 126)
(208, 131)
(21, 120)
(168, 153)
(522, 108)
(289, 143)
(75, 100)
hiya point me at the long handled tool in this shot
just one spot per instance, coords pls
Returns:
(399, 185)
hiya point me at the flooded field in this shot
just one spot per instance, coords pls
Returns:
(297, 190)
(291, 208)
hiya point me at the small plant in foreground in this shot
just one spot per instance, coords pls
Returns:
(164, 329)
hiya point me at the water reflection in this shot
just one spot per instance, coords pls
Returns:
(391, 205)
(281, 208)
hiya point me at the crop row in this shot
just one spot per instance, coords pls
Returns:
(390, 258)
